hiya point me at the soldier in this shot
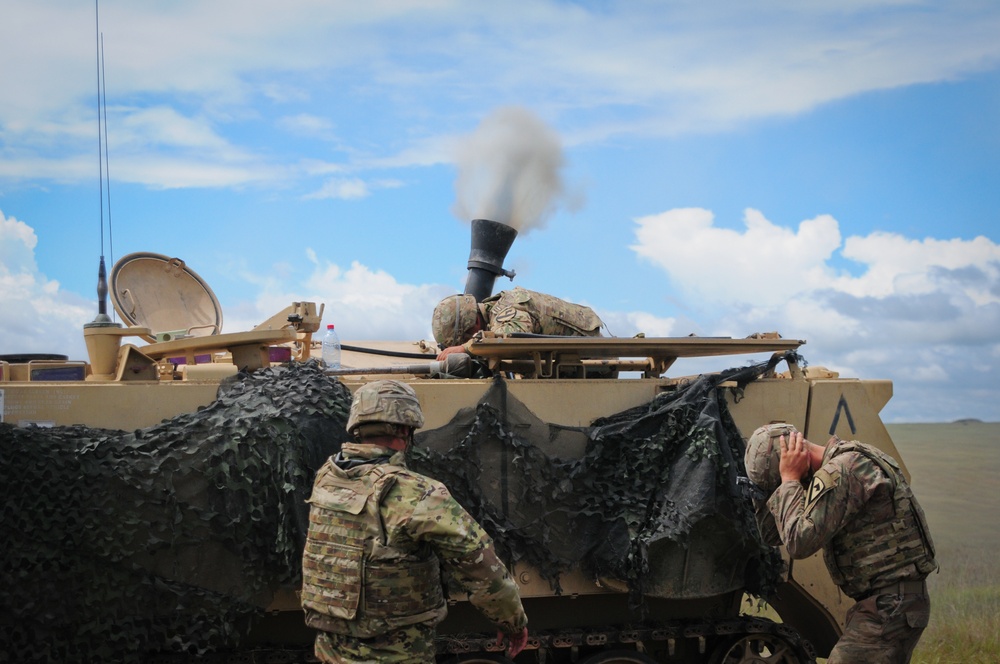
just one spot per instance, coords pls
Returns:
(851, 500)
(457, 318)
(379, 537)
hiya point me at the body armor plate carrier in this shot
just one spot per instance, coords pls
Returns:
(877, 552)
(353, 582)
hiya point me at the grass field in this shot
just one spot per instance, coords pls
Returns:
(955, 471)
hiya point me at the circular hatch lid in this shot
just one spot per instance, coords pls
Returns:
(163, 294)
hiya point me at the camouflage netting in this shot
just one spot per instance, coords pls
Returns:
(166, 539)
(648, 498)
(173, 538)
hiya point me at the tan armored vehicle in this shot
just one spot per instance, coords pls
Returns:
(154, 494)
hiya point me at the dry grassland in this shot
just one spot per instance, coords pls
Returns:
(955, 471)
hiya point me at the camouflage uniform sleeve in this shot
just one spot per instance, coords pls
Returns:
(509, 315)
(466, 552)
(490, 587)
(809, 517)
(801, 535)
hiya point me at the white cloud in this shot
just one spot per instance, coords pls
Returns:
(421, 151)
(161, 125)
(423, 71)
(364, 303)
(18, 246)
(629, 324)
(38, 317)
(307, 124)
(349, 188)
(189, 171)
(764, 265)
(342, 188)
(921, 312)
(930, 373)
(367, 303)
(814, 318)
(899, 265)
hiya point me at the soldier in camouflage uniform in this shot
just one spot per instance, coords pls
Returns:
(457, 318)
(851, 500)
(379, 537)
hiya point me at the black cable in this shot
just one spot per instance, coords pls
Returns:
(389, 353)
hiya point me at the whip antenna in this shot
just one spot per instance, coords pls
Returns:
(102, 275)
(107, 158)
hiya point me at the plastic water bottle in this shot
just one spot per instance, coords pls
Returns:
(331, 348)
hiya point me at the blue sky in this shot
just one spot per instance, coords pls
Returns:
(827, 170)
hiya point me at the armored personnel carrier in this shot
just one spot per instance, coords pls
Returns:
(154, 494)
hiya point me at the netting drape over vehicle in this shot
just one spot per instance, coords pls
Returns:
(173, 538)
(169, 538)
(648, 497)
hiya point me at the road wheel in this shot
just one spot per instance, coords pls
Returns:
(758, 649)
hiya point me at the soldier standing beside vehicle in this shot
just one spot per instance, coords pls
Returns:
(857, 506)
(379, 537)
(458, 317)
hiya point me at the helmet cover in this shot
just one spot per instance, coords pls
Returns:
(453, 316)
(763, 455)
(385, 401)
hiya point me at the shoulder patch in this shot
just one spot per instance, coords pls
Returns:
(504, 315)
(822, 482)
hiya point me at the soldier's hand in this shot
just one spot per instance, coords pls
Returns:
(515, 642)
(449, 351)
(794, 457)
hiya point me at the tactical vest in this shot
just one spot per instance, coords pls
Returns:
(552, 315)
(353, 582)
(875, 551)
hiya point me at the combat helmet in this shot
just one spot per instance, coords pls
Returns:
(384, 402)
(453, 316)
(763, 455)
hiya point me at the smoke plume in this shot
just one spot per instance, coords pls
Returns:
(509, 170)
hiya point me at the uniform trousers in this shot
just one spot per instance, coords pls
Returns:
(882, 629)
(413, 644)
